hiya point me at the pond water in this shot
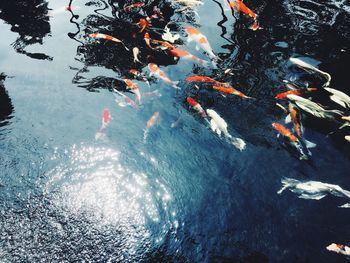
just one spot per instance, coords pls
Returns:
(184, 195)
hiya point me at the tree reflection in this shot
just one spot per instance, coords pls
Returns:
(28, 18)
(6, 107)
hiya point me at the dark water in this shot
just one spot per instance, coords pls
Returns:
(185, 195)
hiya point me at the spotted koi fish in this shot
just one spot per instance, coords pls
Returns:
(107, 37)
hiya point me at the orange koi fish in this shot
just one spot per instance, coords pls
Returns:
(285, 132)
(107, 37)
(126, 8)
(144, 23)
(196, 106)
(203, 79)
(231, 90)
(293, 113)
(106, 118)
(201, 41)
(284, 95)
(150, 123)
(155, 70)
(134, 88)
(179, 53)
(240, 6)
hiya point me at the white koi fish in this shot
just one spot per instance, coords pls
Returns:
(167, 36)
(340, 249)
(108, 37)
(339, 97)
(313, 108)
(155, 70)
(218, 125)
(312, 189)
(311, 68)
(136, 52)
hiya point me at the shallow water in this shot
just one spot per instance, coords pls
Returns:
(185, 195)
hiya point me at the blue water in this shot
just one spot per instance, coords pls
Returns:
(185, 195)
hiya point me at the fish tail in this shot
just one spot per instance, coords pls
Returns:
(238, 143)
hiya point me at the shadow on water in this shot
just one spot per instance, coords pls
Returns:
(6, 107)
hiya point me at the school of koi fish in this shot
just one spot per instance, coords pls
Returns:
(298, 101)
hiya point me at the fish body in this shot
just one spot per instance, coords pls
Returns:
(106, 118)
(313, 108)
(149, 124)
(201, 41)
(155, 70)
(312, 189)
(347, 137)
(167, 36)
(107, 37)
(339, 97)
(240, 6)
(285, 132)
(204, 79)
(284, 95)
(179, 53)
(127, 100)
(230, 90)
(144, 23)
(147, 40)
(189, 3)
(196, 106)
(293, 112)
(127, 8)
(311, 68)
(340, 249)
(136, 52)
(219, 125)
(134, 88)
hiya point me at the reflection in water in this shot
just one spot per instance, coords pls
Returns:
(6, 107)
(92, 184)
(29, 18)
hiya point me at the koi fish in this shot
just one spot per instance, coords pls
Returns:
(106, 118)
(340, 249)
(339, 97)
(107, 37)
(294, 141)
(313, 108)
(293, 91)
(165, 45)
(127, 100)
(176, 122)
(307, 67)
(139, 76)
(231, 90)
(144, 23)
(240, 6)
(196, 106)
(167, 36)
(347, 137)
(150, 123)
(154, 93)
(136, 52)
(131, 85)
(63, 9)
(201, 41)
(155, 70)
(147, 40)
(218, 125)
(179, 53)
(190, 3)
(293, 116)
(204, 79)
(126, 8)
(313, 190)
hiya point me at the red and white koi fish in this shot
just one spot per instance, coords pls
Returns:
(179, 53)
(134, 88)
(240, 6)
(106, 118)
(126, 8)
(147, 40)
(107, 37)
(284, 95)
(144, 24)
(340, 249)
(196, 106)
(127, 101)
(150, 123)
(231, 90)
(201, 41)
(204, 79)
(155, 70)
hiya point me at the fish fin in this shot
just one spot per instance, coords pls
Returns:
(288, 119)
(309, 144)
(197, 47)
(121, 104)
(223, 95)
(189, 39)
(347, 205)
